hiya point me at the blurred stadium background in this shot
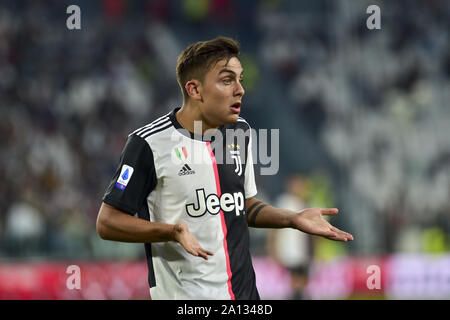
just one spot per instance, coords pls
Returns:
(364, 120)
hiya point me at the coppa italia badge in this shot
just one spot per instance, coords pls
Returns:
(124, 177)
(181, 153)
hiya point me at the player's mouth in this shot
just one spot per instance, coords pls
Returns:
(236, 108)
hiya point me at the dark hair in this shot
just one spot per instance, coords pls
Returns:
(195, 61)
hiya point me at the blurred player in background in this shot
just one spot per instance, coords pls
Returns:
(193, 217)
(290, 248)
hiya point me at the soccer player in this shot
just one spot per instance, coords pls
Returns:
(193, 216)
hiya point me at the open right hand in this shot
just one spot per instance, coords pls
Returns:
(183, 236)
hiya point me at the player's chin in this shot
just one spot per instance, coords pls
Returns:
(229, 117)
(233, 117)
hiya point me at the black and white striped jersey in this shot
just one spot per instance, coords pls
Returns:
(167, 174)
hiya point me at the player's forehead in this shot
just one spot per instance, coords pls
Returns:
(230, 66)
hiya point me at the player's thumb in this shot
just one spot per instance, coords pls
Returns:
(329, 211)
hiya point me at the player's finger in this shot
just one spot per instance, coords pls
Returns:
(329, 234)
(193, 250)
(348, 235)
(340, 237)
(194, 253)
(329, 211)
(209, 253)
(343, 236)
(204, 254)
(343, 233)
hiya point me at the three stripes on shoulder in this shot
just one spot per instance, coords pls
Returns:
(154, 127)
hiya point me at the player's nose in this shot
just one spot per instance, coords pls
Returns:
(239, 89)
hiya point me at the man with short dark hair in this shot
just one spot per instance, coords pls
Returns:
(193, 216)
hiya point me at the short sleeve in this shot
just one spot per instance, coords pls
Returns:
(250, 185)
(135, 177)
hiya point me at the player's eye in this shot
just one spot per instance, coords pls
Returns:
(227, 81)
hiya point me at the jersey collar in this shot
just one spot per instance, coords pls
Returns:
(185, 132)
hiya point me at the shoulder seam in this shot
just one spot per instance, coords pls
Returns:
(156, 126)
(151, 124)
(164, 126)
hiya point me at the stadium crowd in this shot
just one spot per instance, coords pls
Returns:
(368, 109)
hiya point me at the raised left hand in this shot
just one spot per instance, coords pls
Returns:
(311, 221)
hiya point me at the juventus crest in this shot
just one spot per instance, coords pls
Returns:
(236, 156)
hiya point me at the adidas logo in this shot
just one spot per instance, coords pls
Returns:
(186, 170)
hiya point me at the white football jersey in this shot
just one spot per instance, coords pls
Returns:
(167, 174)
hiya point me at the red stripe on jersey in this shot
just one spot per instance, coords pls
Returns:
(222, 217)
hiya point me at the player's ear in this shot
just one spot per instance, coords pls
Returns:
(193, 89)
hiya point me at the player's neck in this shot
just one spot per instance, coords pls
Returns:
(187, 116)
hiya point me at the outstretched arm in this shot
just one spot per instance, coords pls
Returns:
(113, 224)
(262, 215)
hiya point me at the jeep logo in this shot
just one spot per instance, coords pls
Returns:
(213, 204)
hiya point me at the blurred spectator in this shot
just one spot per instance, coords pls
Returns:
(368, 107)
(25, 229)
(289, 247)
